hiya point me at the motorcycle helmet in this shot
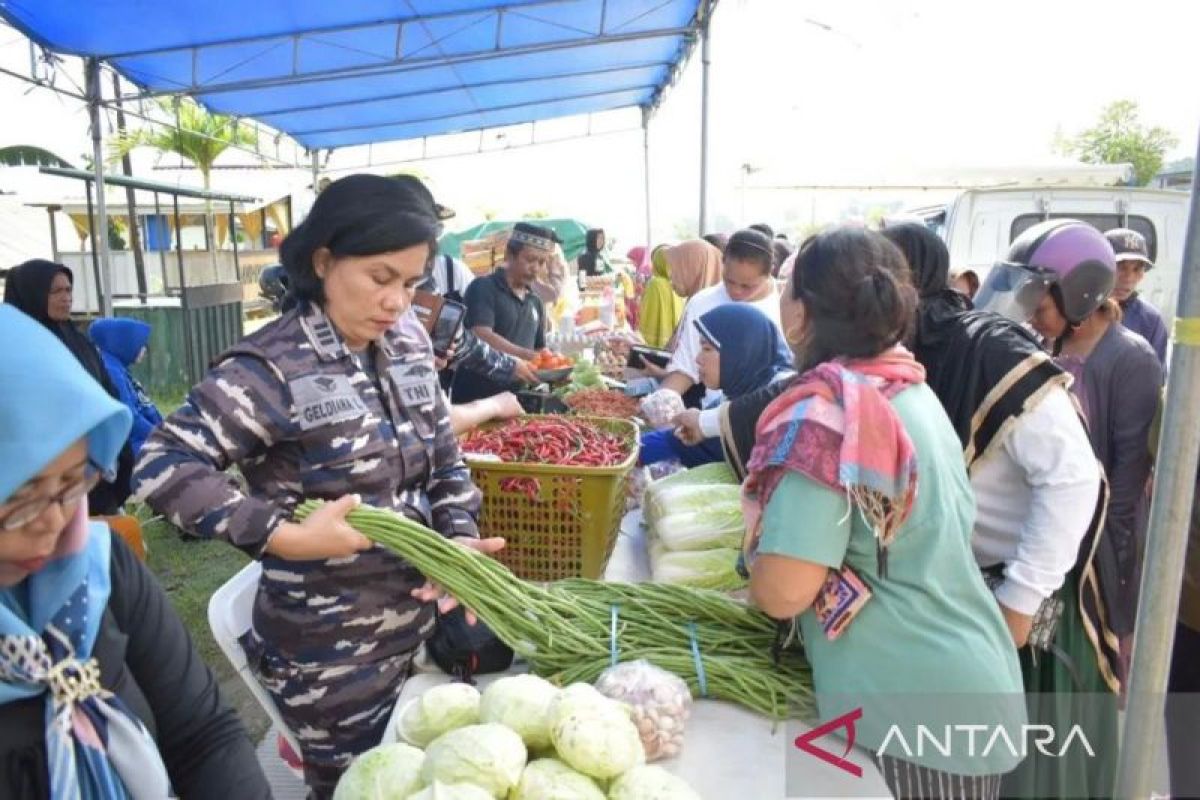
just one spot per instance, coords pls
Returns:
(1067, 258)
(273, 282)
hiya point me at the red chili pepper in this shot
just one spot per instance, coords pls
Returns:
(551, 440)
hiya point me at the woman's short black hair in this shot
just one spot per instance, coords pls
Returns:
(359, 215)
(858, 299)
(752, 245)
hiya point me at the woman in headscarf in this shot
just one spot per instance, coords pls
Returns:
(661, 308)
(639, 257)
(888, 598)
(741, 352)
(43, 290)
(593, 261)
(102, 693)
(1039, 499)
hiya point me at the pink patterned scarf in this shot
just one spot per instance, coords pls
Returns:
(836, 426)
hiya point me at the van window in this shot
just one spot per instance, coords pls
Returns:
(1101, 222)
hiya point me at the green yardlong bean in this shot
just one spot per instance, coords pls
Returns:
(564, 630)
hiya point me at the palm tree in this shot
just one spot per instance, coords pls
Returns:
(199, 137)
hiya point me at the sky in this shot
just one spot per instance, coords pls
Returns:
(805, 92)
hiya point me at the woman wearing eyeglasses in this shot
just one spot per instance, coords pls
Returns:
(44, 291)
(101, 692)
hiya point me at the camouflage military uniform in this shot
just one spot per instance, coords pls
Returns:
(300, 417)
(480, 357)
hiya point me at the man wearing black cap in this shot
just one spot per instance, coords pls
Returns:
(1133, 262)
(503, 311)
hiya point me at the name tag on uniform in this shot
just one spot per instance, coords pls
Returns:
(416, 384)
(325, 399)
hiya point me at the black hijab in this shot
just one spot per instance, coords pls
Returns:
(27, 288)
(593, 261)
(967, 353)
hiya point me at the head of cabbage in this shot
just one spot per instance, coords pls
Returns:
(437, 711)
(490, 756)
(522, 702)
(386, 772)
(551, 779)
(451, 791)
(593, 734)
(645, 782)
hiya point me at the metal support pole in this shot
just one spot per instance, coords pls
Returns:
(646, 171)
(1166, 545)
(101, 228)
(53, 233)
(705, 60)
(316, 172)
(92, 239)
(162, 247)
(237, 267)
(189, 357)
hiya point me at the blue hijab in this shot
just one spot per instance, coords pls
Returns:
(49, 620)
(752, 351)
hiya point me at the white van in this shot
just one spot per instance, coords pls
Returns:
(979, 224)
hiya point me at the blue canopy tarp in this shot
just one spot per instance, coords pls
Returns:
(361, 71)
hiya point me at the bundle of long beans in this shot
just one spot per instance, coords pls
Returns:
(571, 630)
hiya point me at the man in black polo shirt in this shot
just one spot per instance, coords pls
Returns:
(503, 311)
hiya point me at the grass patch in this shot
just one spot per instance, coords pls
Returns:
(168, 401)
(190, 570)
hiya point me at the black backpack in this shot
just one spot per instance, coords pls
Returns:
(464, 650)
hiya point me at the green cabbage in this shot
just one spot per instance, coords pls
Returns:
(651, 783)
(451, 791)
(703, 569)
(488, 755)
(437, 711)
(522, 702)
(550, 779)
(386, 772)
(593, 734)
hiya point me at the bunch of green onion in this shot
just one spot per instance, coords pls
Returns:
(571, 630)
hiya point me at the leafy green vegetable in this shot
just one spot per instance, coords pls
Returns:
(704, 569)
(717, 473)
(386, 772)
(585, 375)
(651, 783)
(451, 791)
(550, 779)
(593, 734)
(437, 711)
(489, 756)
(522, 702)
(719, 525)
(688, 497)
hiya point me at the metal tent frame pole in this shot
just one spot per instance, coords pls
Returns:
(316, 171)
(646, 170)
(1166, 545)
(95, 98)
(705, 60)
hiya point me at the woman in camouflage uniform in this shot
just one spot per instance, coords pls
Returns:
(337, 399)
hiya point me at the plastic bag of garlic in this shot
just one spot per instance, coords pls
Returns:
(659, 703)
